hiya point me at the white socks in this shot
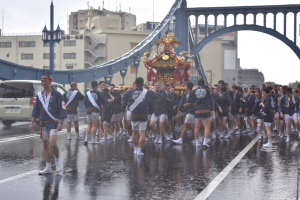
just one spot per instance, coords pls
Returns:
(48, 165)
(269, 142)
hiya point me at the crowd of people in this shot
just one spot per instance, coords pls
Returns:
(156, 112)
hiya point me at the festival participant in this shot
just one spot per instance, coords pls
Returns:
(116, 109)
(101, 129)
(93, 101)
(189, 122)
(250, 104)
(214, 95)
(243, 91)
(276, 116)
(159, 114)
(48, 108)
(172, 112)
(107, 115)
(256, 114)
(296, 115)
(235, 109)
(169, 105)
(224, 102)
(266, 109)
(287, 109)
(138, 101)
(72, 98)
(203, 104)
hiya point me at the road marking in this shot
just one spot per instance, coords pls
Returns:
(22, 137)
(18, 176)
(219, 178)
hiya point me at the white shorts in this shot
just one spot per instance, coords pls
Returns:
(288, 118)
(100, 118)
(260, 120)
(46, 133)
(253, 117)
(276, 114)
(296, 116)
(190, 119)
(268, 124)
(149, 117)
(242, 115)
(106, 122)
(72, 117)
(138, 125)
(93, 116)
(161, 118)
(115, 117)
(128, 115)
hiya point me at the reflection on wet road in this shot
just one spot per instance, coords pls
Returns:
(109, 170)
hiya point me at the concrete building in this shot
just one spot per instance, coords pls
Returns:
(251, 77)
(219, 57)
(95, 19)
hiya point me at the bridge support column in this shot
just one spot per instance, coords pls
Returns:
(225, 21)
(284, 24)
(206, 25)
(245, 19)
(182, 27)
(295, 27)
(197, 30)
(216, 23)
(265, 19)
(275, 20)
(255, 15)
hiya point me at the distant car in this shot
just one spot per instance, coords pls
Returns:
(17, 99)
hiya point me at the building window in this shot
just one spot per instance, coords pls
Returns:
(69, 55)
(27, 56)
(47, 44)
(47, 56)
(70, 43)
(127, 23)
(5, 44)
(127, 16)
(70, 67)
(27, 44)
(7, 55)
(46, 67)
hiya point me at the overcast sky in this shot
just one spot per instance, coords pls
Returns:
(256, 50)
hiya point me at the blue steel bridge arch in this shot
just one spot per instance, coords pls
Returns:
(236, 28)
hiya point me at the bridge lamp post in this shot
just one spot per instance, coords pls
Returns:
(123, 73)
(51, 37)
(108, 79)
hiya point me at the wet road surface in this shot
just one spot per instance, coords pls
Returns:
(109, 170)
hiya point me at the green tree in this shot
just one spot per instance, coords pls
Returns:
(294, 84)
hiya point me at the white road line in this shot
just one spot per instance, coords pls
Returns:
(18, 176)
(219, 178)
(34, 135)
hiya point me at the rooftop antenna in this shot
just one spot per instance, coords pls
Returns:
(67, 18)
(120, 8)
(88, 4)
(116, 5)
(2, 23)
(153, 10)
(129, 9)
(102, 4)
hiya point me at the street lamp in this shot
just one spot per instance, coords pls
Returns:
(136, 65)
(51, 37)
(108, 79)
(123, 73)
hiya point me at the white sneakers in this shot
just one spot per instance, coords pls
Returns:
(268, 145)
(198, 143)
(179, 141)
(59, 166)
(79, 136)
(160, 141)
(167, 136)
(46, 171)
(130, 140)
